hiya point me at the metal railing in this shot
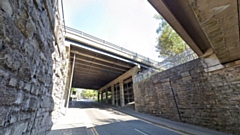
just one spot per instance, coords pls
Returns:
(179, 59)
(168, 63)
(113, 46)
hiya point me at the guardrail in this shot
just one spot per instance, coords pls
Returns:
(116, 47)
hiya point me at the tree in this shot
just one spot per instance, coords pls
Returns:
(89, 93)
(169, 42)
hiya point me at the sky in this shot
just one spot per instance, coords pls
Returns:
(126, 23)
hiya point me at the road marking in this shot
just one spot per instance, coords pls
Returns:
(140, 131)
(91, 131)
(164, 127)
(151, 123)
(95, 131)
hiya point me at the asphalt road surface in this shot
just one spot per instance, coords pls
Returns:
(90, 118)
(102, 120)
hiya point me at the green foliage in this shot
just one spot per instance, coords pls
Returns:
(169, 42)
(74, 89)
(89, 93)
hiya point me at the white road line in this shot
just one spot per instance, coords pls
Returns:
(140, 131)
(94, 131)
(164, 127)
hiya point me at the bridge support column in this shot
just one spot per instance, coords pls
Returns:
(112, 92)
(102, 96)
(98, 96)
(106, 94)
(122, 100)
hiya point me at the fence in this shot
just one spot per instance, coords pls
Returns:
(168, 63)
(179, 59)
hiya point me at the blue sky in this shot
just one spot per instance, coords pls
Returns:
(127, 23)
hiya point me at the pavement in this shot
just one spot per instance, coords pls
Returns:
(179, 126)
(90, 118)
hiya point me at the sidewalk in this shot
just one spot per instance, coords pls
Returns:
(179, 126)
(71, 124)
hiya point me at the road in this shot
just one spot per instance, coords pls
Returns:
(99, 119)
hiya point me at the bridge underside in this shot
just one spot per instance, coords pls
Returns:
(205, 25)
(94, 69)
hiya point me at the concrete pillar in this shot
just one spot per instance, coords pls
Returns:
(98, 96)
(121, 93)
(112, 92)
(106, 91)
(117, 95)
(102, 96)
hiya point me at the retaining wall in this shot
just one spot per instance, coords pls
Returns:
(32, 66)
(189, 94)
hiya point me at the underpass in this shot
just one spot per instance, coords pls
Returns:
(111, 71)
(210, 39)
(37, 70)
(103, 66)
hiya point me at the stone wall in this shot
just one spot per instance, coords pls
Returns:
(189, 94)
(32, 66)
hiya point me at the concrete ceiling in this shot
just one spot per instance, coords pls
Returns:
(93, 69)
(205, 24)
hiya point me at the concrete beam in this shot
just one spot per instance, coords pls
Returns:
(167, 14)
(204, 25)
(92, 73)
(100, 59)
(106, 70)
(92, 62)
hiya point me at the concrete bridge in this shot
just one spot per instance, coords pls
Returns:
(101, 65)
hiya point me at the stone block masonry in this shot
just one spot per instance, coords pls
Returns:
(33, 66)
(189, 94)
